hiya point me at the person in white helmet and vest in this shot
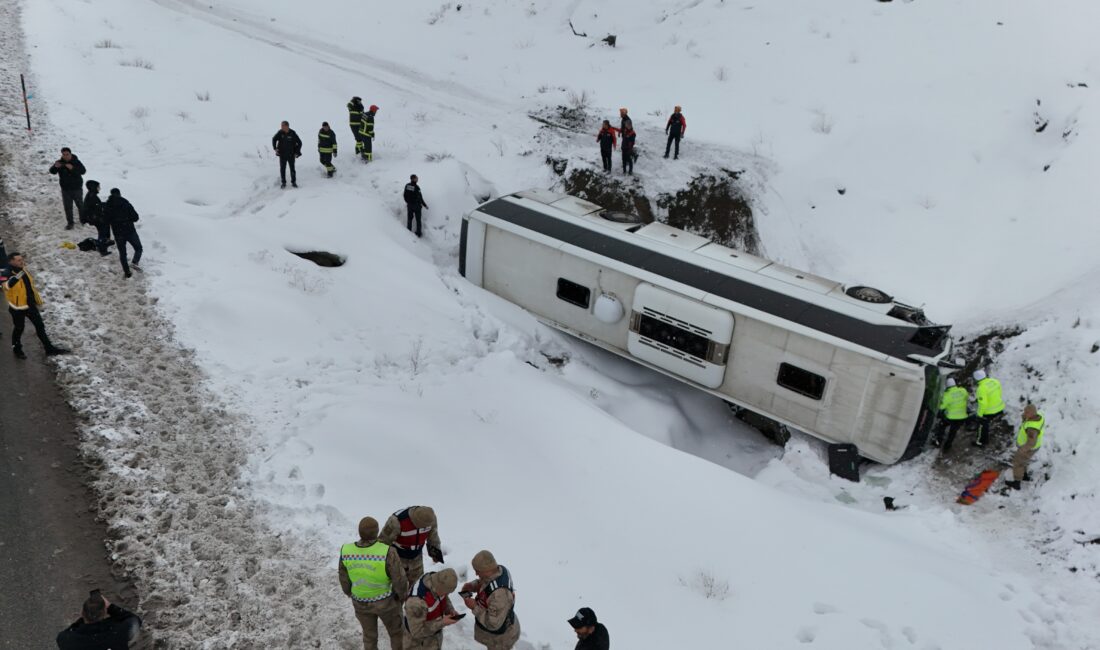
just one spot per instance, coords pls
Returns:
(428, 610)
(991, 404)
(492, 599)
(409, 531)
(953, 408)
(1028, 440)
(372, 576)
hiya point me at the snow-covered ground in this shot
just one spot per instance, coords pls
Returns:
(249, 406)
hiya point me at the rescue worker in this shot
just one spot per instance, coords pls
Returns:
(371, 575)
(93, 213)
(628, 136)
(591, 634)
(288, 147)
(23, 302)
(326, 146)
(409, 531)
(1028, 440)
(954, 413)
(606, 138)
(366, 134)
(414, 200)
(991, 404)
(355, 121)
(70, 175)
(624, 120)
(676, 127)
(428, 610)
(492, 599)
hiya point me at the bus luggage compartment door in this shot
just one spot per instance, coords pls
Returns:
(681, 335)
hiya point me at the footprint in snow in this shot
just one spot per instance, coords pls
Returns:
(885, 638)
(806, 634)
(824, 608)
(910, 634)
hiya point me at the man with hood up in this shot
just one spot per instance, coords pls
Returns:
(122, 216)
(93, 213)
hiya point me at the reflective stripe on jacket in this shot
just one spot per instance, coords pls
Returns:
(1040, 424)
(953, 403)
(326, 141)
(366, 567)
(355, 113)
(989, 397)
(503, 581)
(15, 289)
(367, 129)
(411, 539)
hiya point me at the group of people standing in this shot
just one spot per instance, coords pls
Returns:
(383, 574)
(288, 145)
(989, 407)
(608, 135)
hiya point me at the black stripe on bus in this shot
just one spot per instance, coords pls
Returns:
(892, 340)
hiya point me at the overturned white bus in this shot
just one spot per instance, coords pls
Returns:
(847, 365)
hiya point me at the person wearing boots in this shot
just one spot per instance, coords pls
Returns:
(288, 147)
(371, 575)
(414, 200)
(70, 175)
(23, 305)
(628, 137)
(953, 414)
(492, 600)
(122, 216)
(1028, 440)
(366, 134)
(991, 405)
(93, 212)
(355, 120)
(326, 146)
(675, 128)
(606, 138)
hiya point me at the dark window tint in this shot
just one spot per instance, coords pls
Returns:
(574, 293)
(801, 381)
(675, 337)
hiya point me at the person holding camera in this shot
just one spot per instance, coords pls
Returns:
(70, 174)
(101, 626)
(492, 600)
(371, 575)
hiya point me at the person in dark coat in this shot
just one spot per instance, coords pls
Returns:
(624, 119)
(675, 128)
(591, 634)
(629, 156)
(606, 138)
(326, 146)
(93, 213)
(366, 134)
(101, 626)
(122, 216)
(288, 147)
(414, 200)
(355, 120)
(70, 174)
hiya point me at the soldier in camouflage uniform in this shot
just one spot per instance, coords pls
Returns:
(492, 600)
(372, 576)
(410, 530)
(428, 610)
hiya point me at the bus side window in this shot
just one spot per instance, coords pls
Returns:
(801, 381)
(573, 293)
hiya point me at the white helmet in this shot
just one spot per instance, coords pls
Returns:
(979, 375)
(950, 383)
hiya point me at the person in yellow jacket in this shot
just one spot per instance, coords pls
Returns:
(1028, 440)
(953, 414)
(371, 575)
(991, 404)
(23, 303)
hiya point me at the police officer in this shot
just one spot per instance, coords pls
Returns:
(371, 575)
(1028, 440)
(326, 146)
(954, 413)
(366, 134)
(414, 200)
(991, 404)
(409, 531)
(492, 600)
(355, 120)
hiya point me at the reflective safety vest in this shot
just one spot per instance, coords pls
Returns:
(1040, 424)
(355, 113)
(953, 403)
(326, 141)
(503, 581)
(435, 605)
(367, 571)
(367, 129)
(989, 397)
(16, 292)
(411, 539)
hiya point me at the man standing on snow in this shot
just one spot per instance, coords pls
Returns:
(366, 134)
(606, 138)
(1028, 440)
(591, 634)
(23, 303)
(624, 120)
(93, 212)
(70, 175)
(676, 127)
(991, 404)
(326, 146)
(408, 531)
(371, 575)
(414, 200)
(493, 603)
(121, 215)
(355, 120)
(288, 146)
(629, 156)
(101, 625)
(954, 414)
(428, 610)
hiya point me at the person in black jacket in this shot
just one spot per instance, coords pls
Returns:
(675, 128)
(93, 213)
(326, 146)
(628, 137)
(606, 138)
(355, 120)
(70, 174)
(414, 200)
(101, 626)
(122, 216)
(591, 634)
(288, 146)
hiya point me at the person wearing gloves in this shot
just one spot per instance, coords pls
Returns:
(492, 599)
(409, 531)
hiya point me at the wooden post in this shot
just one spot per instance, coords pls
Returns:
(26, 105)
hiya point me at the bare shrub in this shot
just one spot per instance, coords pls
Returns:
(420, 116)
(579, 101)
(437, 156)
(184, 115)
(137, 63)
(139, 113)
(708, 586)
(721, 73)
(203, 96)
(106, 44)
(438, 14)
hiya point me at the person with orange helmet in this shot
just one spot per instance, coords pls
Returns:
(366, 134)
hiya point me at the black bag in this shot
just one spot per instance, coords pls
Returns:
(844, 461)
(88, 244)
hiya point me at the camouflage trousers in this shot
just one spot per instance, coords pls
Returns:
(389, 611)
(414, 568)
(1022, 458)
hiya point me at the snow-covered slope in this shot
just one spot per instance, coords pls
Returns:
(390, 381)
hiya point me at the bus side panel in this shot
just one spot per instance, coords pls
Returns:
(472, 250)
